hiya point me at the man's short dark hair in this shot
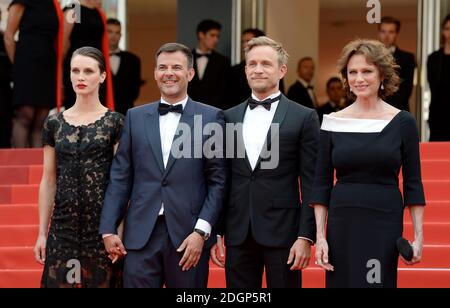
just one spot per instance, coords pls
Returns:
(254, 31)
(113, 21)
(333, 80)
(207, 25)
(304, 59)
(174, 47)
(391, 20)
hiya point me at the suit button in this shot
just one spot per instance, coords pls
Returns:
(164, 183)
(252, 178)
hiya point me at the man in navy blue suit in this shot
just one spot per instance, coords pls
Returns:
(170, 202)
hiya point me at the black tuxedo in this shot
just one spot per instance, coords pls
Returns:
(267, 209)
(212, 88)
(326, 109)
(298, 93)
(438, 67)
(407, 63)
(127, 81)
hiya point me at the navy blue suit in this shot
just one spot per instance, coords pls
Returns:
(189, 188)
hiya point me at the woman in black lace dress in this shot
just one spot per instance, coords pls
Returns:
(79, 148)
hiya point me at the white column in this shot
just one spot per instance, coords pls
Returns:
(429, 31)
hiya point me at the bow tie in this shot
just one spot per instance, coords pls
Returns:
(114, 53)
(310, 87)
(199, 55)
(165, 109)
(267, 103)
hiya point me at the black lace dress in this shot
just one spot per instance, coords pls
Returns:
(75, 254)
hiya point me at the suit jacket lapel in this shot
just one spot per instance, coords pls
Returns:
(153, 134)
(187, 118)
(278, 118)
(240, 138)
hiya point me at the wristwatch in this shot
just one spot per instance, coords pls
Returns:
(204, 235)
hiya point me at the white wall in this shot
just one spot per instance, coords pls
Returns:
(295, 24)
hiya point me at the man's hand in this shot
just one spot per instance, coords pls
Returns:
(114, 247)
(300, 255)
(218, 253)
(192, 247)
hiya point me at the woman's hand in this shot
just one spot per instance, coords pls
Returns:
(322, 255)
(39, 249)
(417, 247)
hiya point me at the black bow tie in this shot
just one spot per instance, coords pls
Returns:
(199, 55)
(165, 108)
(310, 87)
(114, 53)
(267, 103)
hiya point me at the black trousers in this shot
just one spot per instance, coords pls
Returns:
(246, 263)
(156, 265)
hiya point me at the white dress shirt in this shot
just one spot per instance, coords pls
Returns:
(255, 128)
(202, 62)
(168, 125)
(310, 91)
(114, 61)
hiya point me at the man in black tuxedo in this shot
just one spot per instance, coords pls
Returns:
(336, 98)
(126, 70)
(267, 222)
(302, 91)
(239, 90)
(171, 199)
(389, 29)
(6, 112)
(212, 69)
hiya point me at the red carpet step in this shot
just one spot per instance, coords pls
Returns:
(20, 175)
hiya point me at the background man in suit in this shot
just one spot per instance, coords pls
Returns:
(170, 204)
(302, 91)
(212, 69)
(239, 90)
(126, 70)
(336, 98)
(266, 225)
(388, 31)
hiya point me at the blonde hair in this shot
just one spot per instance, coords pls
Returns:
(283, 56)
(377, 54)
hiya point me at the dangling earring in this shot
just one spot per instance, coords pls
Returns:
(382, 86)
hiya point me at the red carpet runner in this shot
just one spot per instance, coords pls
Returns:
(20, 174)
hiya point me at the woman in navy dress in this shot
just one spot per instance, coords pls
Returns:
(366, 144)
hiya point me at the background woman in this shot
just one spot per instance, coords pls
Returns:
(35, 61)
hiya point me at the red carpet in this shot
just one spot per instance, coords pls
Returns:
(20, 174)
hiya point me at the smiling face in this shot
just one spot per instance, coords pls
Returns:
(172, 76)
(85, 75)
(363, 77)
(264, 71)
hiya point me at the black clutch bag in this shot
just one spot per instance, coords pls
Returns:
(405, 249)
